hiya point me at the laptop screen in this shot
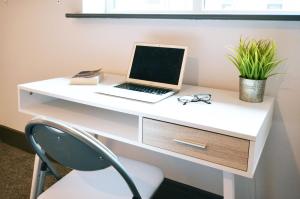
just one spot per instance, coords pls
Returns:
(157, 64)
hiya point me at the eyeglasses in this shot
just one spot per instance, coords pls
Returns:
(206, 98)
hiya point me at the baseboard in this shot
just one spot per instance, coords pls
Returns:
(14, 138)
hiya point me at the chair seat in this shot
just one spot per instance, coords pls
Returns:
(106, 183)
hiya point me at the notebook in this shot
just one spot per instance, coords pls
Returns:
(155, 73)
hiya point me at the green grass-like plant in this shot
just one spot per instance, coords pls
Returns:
(255, 59)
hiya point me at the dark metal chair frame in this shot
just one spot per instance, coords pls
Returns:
(71, 148)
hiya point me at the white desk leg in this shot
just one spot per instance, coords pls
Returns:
(36, 167)
(228, 185)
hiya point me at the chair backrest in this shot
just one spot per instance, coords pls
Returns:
(72, 148)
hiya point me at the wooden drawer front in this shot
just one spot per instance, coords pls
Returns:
(221, 149)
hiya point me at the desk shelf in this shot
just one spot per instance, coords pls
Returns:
(120, 126)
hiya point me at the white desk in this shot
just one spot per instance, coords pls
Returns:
(229, 134)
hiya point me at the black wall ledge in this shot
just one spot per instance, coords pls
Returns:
(189, 16)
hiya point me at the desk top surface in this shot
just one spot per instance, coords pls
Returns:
(226, 115)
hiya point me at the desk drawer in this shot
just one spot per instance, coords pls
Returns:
(213, 147)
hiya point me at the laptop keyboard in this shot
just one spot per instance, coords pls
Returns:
(142, 88)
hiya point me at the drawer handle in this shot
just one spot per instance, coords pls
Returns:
(201, 146)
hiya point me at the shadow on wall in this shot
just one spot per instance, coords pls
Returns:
(274, 83)
(191, 71)
(277, 169)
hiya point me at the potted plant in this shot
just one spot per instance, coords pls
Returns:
(256, 61)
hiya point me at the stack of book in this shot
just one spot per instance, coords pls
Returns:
(87, 77)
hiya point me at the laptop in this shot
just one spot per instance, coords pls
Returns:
(155, 73)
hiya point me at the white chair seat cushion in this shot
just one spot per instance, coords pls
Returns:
(106, 183)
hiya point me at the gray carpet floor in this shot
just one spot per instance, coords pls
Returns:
(16, 167)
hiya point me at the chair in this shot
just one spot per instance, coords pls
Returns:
(97, 172)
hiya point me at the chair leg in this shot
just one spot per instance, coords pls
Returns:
(35, 177)
(41, 180)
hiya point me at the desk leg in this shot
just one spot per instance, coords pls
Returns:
(35, 176)
(228, 185)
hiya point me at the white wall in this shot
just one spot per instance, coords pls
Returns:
(38, 42)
